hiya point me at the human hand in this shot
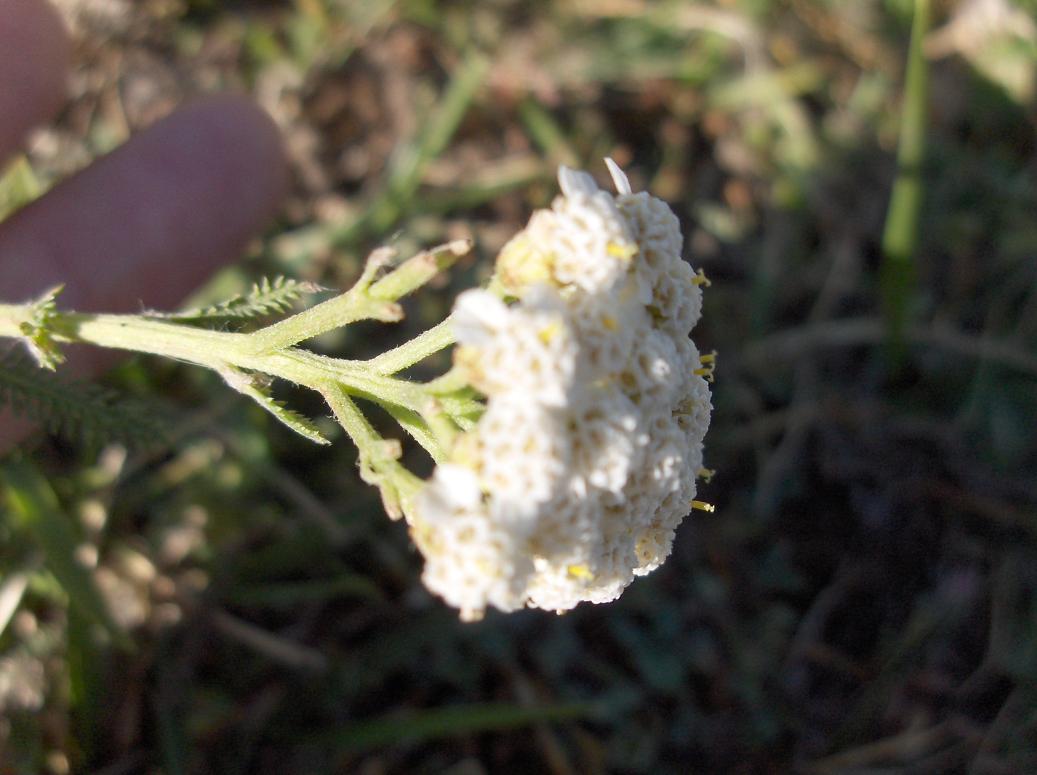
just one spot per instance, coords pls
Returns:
(143, 225)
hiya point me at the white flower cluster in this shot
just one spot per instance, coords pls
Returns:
(575, 478)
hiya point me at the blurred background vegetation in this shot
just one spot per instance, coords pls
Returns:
(232, 599)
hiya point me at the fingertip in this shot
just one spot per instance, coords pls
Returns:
(247, 147)
(147, 223)
(35, 55)
(53, 29)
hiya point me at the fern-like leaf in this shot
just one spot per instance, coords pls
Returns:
(75, 409)
(249, 385)
(267, 297)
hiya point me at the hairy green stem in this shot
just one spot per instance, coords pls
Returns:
(368, 299)
(218, 350)
(417, 349)
(432, 420)
(326, 316)
(378, 458)
(248, 361)
(222, 351)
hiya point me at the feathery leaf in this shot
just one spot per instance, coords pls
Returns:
(251, 386)
(73, 408)
(267, 297)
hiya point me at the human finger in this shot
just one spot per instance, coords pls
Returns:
(34, 59)
(145, 224)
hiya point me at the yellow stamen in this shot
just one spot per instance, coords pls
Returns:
(549, 332)
(701, 279)
(706, 474)
(703, 506)
(622, 252)
(580, 572)
(709, 364)
(610, 323)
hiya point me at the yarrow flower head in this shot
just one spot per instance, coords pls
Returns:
(573, 481)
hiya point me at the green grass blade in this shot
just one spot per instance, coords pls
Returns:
(34, 507)
(444, 121)
(547, 133)
(900, 236)
(410, 162)
(172, 738)
(18, 186)
(85, 681)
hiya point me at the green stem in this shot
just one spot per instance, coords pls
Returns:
(417, 349)
(379, 464)
(326, 316)
(453, 381)
(366, 300)
(355, 304)
(223, 351)
(900, 236)
(410, 162)
(218, 350)
(232, 354)
(418, 270)
(432, 420)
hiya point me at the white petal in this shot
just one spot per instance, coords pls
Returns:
(459, 485)
(541, 297)
(618, 177)
(477, 315)
(574, 181)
